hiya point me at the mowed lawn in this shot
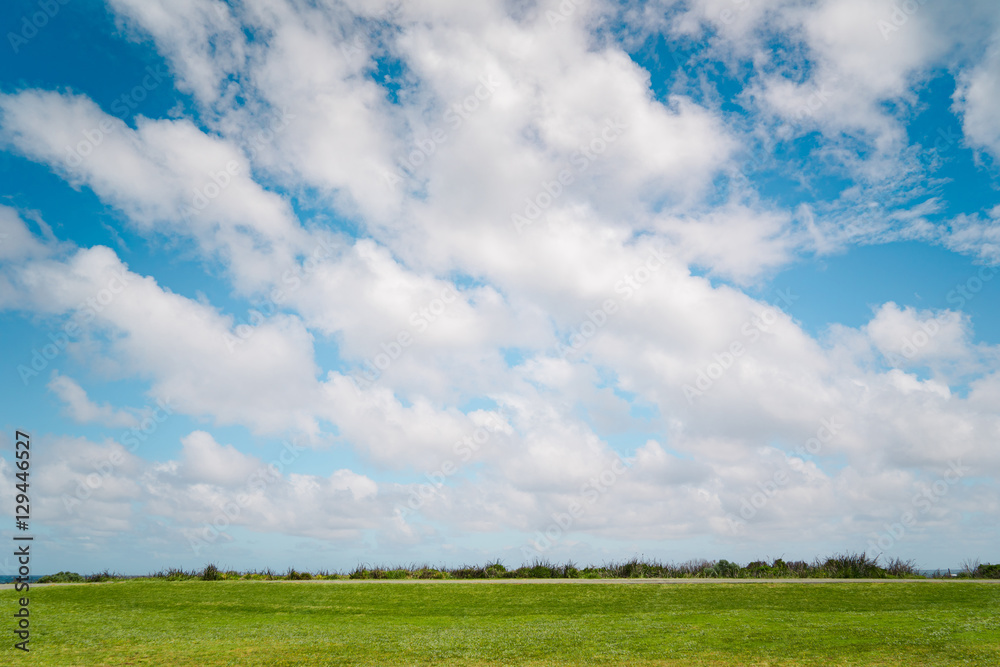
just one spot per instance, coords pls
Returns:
(471, 623)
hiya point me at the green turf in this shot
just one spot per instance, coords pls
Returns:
(342, 623)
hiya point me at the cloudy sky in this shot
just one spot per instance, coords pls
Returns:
(319, 283)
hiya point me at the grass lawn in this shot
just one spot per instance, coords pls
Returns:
(381, 623)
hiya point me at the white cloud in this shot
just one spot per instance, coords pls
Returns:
(204, 31)
(165, 175)
(734, 242)
(17, 242)
(978, 236)
(83, 410)
(977, 99)
(267, 381)
(907, 337)
(93, 491)
(205, 460)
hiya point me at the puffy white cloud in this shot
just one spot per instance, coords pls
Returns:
(205, 460)
(87, 488)
(978, 236)
(94, 491)
(82, 409)
(375, 421)
(165, 175)
(17, 242)
(735, 242)
(977, 98)
(185, 347)
(204, 32)
(910, 338)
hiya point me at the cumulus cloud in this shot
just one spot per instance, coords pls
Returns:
(910, 337)
(205, 460)
(82, 409)
(17, 241)
(164, 174)
(976, 97)
(183, 345)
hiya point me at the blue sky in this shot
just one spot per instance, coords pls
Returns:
(301, 228)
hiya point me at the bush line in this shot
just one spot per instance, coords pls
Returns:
(840, 566)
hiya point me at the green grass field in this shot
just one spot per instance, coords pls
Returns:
(144, 622)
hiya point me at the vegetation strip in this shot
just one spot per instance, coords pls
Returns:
(841, 566)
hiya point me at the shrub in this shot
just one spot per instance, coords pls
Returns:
(631, 569)
(987, 571)
(692, 568)
(61, 578)
(538, 570)
(722, 568)
(430, 573)
(799, 568)
(469, 572)
(211, 573)
(494, 570)
(396, 574)
(897, 567)
(759, 569)
(852, 566)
